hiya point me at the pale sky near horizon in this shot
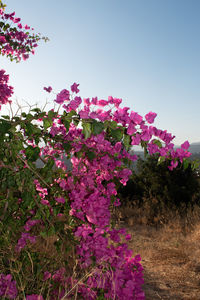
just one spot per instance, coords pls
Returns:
(146, 52)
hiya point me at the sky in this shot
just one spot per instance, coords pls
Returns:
(146, 52)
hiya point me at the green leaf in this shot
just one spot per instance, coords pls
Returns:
(76, 121)
(144, 146)
(43, 234)
(127, 141)
(67, 147)
(110, 124)
(117, 134)
(32, 153)
(47, 123)
(4, 126)
(41, 115)
(24, 114)
(67, 124)
(195, 165)
(49, 165)
(161, 160)
(51, 231)
(97, 127)
(52, 114)
(72, 113)
(37, 110)
(158, 143)
(186, 163)
(6, 117)
(87, 129)
(90, 155)
(29, 129)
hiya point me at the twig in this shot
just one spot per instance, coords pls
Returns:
(159, 295)
(34, 171)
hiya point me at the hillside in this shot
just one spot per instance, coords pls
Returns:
(195, 148)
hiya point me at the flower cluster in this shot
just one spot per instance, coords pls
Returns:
(16, 41)
(22, 242)
(6, 91)
(8, 287)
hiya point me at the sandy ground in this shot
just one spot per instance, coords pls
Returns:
(171, 261)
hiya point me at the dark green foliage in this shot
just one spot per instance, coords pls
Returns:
(155, 183)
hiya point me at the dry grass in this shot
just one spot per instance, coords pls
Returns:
(170, 255)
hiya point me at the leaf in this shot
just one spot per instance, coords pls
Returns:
(90, 155)
(127, 141)
(4, 126)
(32, 153)
(41, 114)
(161, 160)
(76, 121)
(186, 163)
(87, 129)
(97, 127)
(24, 114)
(67, 124)
(43, 234)
(72, 113)
(51, 231)
(110, 124)
(6, 117)
(47, 123)
(49, 165)
(52, 114)
(117, 134)
(158, 143)
(37, 110)
(29, 129)
(195, 165)
(67, 147)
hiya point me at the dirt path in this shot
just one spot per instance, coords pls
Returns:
(171, 262)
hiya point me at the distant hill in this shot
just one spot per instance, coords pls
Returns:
(195, 148)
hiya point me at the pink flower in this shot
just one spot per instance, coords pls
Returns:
(20, 25)
(131, 129)
(102, 103)
(60, 200)
(64, 95)
(87, 101)
(94, 101)
(83, 114)
(185, 145)
(150, 117)
(74, 88)
(2, 39)
(73, 105)
(135, 117)
(49, 89)
(25, 56)
(47, 275)
(128, 237)
(7, 287)
(136, 139)
(45, 202)
(173, 165)
(145, 136)
(16, 20)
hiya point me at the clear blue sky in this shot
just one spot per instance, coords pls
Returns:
(146, 52)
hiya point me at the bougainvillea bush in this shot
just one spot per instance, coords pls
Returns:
(57, 238)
